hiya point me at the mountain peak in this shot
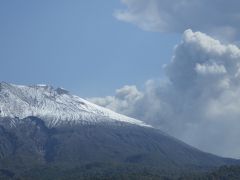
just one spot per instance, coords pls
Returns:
(55, 106)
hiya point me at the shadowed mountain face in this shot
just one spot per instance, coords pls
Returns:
(46, 131)
(30, 143)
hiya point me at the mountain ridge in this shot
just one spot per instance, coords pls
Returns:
(57, 106)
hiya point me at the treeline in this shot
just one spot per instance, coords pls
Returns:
(222, 173)
(92, 171)
(100, 171)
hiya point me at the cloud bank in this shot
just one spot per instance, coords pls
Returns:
(218, 17)
(124, 100)
(198, 101)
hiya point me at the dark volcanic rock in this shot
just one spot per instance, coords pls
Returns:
(28, 142)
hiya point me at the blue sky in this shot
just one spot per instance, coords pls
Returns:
(78, 45)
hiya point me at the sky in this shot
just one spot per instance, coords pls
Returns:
(172, 64)
(78, 45)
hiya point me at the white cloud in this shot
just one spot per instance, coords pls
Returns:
(206, 69)
(198, 101)
(219, 17)
(123, 101)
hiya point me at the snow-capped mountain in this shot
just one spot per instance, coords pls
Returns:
(43, 127)
(55, 106)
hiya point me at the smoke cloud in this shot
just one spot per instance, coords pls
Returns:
(199, 99)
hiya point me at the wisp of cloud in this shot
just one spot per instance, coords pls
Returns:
(220, 18)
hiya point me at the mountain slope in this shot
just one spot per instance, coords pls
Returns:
(30, 143)
(45, 128)
(55, 106)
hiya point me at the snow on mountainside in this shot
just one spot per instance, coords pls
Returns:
(55, 106)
